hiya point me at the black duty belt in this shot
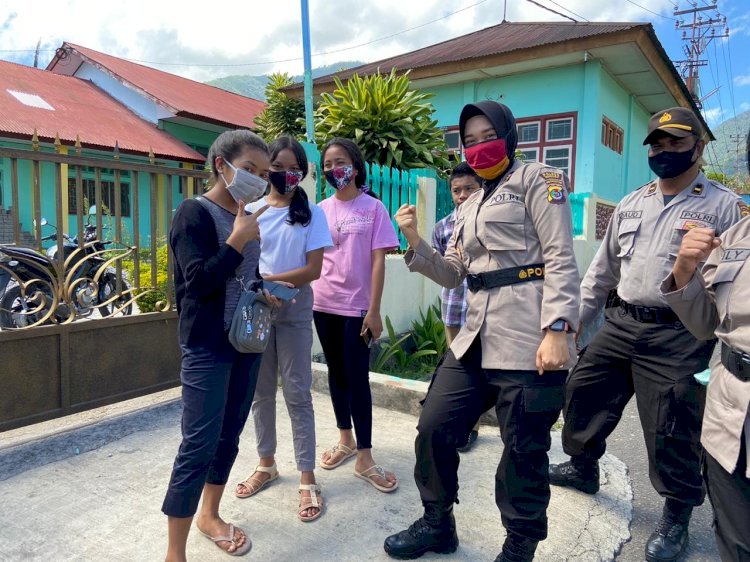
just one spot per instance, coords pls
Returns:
(649, 314)
(736, 362)
(505, 277)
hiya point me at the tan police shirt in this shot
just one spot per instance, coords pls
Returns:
(717, 300)
(644, 236)
(525, 220)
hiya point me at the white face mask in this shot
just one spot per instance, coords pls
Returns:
(245, 186)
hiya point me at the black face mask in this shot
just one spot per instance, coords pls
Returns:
(285, 181)
(669, 165)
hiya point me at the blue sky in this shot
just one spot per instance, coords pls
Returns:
(259, 37)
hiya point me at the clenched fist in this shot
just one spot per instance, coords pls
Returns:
(406, 218)
(697, 245)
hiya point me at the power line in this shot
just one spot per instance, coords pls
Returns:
(228, 65)
(655, 13)
(568, 10)
(551, 10)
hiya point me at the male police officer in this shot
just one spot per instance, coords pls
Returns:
(643, 348)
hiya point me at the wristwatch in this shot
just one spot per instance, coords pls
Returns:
(559, 326)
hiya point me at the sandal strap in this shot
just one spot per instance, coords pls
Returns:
(313, 499)
(229, 538)
(340, 447)
(378, 470)
(267, 469)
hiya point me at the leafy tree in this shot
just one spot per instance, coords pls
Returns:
(737, 184)
(390, 122)
(282, 115)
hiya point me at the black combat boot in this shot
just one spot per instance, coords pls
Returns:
(435, 531)
(577, 473)
(670, 539)
(517, 549)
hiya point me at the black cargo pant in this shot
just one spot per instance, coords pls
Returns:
(657, 363)
(730, 498)
(527, 406)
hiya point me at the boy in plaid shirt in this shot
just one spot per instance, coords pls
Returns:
(463, 182)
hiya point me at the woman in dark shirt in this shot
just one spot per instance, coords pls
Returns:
(215, 244)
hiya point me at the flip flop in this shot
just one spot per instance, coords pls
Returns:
(376, 470)
(339, 448)
(254, 484)
(306, 503)
(244, 549)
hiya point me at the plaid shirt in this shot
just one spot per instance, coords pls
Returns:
(453, 300)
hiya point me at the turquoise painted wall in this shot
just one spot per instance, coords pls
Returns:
(585, 89)
(198, 139)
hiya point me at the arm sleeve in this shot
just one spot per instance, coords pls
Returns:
(695, 303)
(205, 270)
(448, 271)
(603, 274)
(553, 222)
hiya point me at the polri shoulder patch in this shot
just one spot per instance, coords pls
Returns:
(555, 187)
(744, 210)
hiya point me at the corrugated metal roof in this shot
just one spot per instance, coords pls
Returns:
(498, 39)
(186, 97)
(78, 108)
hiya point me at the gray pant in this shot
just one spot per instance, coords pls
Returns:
(288, 354)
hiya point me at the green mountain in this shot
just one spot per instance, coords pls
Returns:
(725, 152)
(255, 86)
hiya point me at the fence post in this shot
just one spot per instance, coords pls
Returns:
(426, 204)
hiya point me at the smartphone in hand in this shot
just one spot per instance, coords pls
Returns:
(367, 336)
(280, 291)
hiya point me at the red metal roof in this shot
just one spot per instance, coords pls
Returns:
(498, 39)
(78, 108)
(182, 96)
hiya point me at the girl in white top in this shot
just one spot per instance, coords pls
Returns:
(295, 234)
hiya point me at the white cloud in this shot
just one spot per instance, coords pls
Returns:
(237, 33)
(713, 116)
(742, 80)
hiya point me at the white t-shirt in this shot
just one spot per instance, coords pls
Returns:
(284, 247)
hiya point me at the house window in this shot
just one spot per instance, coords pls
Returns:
(549, 139)
(558, 157)
(530, 154)
(528, 133)
(89, 194)
(612, 135)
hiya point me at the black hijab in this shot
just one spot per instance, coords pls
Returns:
(502, 120)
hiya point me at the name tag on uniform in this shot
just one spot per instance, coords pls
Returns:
(735, 254)
(630, 215)
(503, 197)
(699, 216)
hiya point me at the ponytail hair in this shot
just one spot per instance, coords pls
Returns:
(299, 207)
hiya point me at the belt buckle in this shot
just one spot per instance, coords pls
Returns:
(474, 282)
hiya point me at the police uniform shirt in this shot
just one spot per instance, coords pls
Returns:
(718, 299)
(644, 236)
(525, 220)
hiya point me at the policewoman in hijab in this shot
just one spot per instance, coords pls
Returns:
(513, 242)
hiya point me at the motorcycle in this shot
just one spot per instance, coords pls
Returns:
(42, 288)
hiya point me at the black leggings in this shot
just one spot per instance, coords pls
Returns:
(348, 359)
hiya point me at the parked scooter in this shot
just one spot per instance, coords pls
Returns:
(42, 288)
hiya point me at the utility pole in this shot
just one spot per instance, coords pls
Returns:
(737, 140)
(702, 32)
(307, 56)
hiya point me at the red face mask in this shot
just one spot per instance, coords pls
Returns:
(488, 159)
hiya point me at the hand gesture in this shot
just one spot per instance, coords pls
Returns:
(374, 323)
(406, 218)
(553, 353)
(697, 245)
(245, 227)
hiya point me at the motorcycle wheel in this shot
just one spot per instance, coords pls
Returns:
(107, 288)
(11, 309)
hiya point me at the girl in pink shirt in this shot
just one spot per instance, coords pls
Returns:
(347, 304)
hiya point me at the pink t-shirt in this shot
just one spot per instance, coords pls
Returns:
(357, 228)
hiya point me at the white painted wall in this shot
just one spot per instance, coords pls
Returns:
(132, 99)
